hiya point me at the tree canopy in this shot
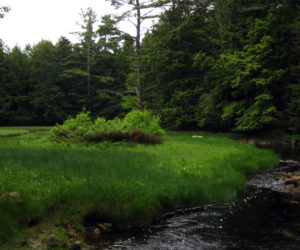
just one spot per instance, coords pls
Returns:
(210, 64)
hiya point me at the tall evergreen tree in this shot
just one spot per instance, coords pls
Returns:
(47, 96)
(170, 72)
(109, 68)
(18, 87)
(3, 86)
(88, 47)
(71, 85)
(3, 10)
(139, 10)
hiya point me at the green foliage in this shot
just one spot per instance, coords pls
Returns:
(143, 121)
(46, 83)
(75, 128)
(100, 124)
(238, 59)
(293, 105)
(3, 10)
(208, 113)
(222, 65)
(258, 116)
(137, 126)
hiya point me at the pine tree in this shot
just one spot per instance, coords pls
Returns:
(139, 10)
(87, 46)
(46, 95)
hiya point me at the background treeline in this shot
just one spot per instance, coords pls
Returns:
(221, 65)
(46, 83)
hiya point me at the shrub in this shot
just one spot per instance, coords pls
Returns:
(75, 128)
(100, 124)
(143, 121)
(137, 126)
(97, 131)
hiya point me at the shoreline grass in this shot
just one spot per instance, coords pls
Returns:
(128, 186)
(18, 131)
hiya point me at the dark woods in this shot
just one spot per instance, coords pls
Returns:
(46, 83)
(221, 65)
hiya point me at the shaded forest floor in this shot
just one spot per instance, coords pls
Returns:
(65, 192)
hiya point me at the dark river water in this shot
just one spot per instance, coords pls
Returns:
(265, 216)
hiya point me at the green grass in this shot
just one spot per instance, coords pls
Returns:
(129, 186)
(16, 131)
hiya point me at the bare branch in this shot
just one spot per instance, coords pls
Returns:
(122, 94)
(150, 88)
(132, 23)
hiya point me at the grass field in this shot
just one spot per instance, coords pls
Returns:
(16, 131)
(128, 185)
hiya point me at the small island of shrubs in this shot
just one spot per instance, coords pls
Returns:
(138, 126)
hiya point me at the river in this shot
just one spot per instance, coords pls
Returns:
(265, 216)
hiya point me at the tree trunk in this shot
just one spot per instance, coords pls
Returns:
(138, 61)
(88, 68)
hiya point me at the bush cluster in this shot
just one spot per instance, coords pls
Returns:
(139, 126)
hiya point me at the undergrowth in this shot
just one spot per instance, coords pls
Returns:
(137, 126)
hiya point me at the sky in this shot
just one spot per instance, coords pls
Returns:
(30, 21)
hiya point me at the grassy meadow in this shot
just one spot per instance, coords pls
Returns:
(129, 185)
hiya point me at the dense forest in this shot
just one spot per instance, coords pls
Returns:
(209, 64)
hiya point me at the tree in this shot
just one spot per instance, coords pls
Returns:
(17, 87)
(71, 85)
(223, 64)
(47, 96)
(293, 103)
(111, 68)
(243, 75)
(3, 93)
(168, 56)
(88, 46)
(109, 35)
(140, 10)
(3, 10)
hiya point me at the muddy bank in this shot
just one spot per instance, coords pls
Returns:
(270, 140)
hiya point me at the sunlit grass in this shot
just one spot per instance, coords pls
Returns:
(127, 185)
(15, 131)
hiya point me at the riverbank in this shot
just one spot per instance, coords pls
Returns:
(269, 139)
(73, 189)
(264, 216)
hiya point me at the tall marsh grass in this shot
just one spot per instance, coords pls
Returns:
(128, 186)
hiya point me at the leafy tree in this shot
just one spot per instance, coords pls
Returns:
(223, 64)
(170, 72)
(242, 74)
